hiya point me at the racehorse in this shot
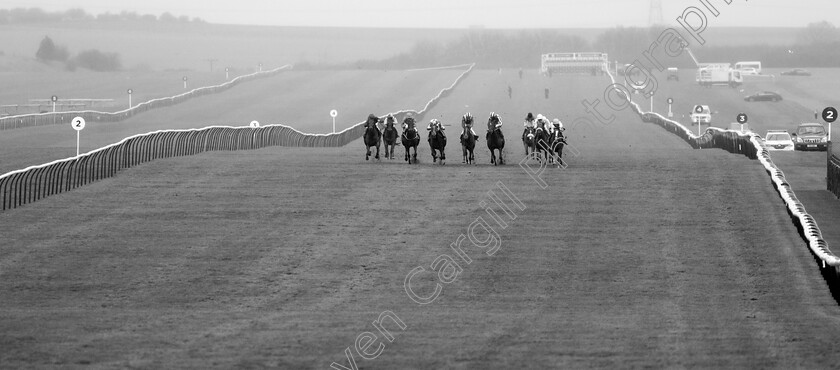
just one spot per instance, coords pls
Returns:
(529, 140)
(468, 139)
(410, 139)
(372, 135)
(390, 136)
(558, 141)
(437, 141)
(542, 139)
(495, 138)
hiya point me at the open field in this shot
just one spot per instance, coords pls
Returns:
(20, 87)
(643, 253)
(301, 99)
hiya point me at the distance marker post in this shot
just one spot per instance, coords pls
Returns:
(54, 99)
(670, 113)
(227, 73)
(255, 124)
(78, 124)
(742, 119)
(185, 82)
(829, 115)
(333, 114)
(651, 101)
(129, 98)
(698, 109)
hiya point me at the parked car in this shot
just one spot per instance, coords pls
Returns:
(796, 72)
(702, 115)
(749, 71)
(810, 136)
(778, 140)
(763, 96)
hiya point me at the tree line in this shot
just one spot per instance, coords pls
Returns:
(817, 45)
(38, 15)
(92, 59)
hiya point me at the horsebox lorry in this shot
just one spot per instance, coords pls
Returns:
(719, 74)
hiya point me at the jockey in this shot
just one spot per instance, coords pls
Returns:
(529, 123)
(465, 126)
(557, 125)
(390, 120)
(432, 123)
(541, 122)
(408, 123)
(373, 120)
(496, 127)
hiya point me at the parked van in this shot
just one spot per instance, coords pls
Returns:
(749, 67)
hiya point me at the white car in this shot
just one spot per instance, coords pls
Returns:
(778, 140)
(749, 71)
(701, 114)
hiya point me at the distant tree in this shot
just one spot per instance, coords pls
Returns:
(167, 17)
(107, 17)
(129, 16)
(77, 14)
(819, 33)
(48, 51)
(96, 60)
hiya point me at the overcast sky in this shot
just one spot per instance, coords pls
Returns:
(458, 13)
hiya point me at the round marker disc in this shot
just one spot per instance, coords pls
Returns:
(78, 123)
(255, 124)
(698, 109)
(130, 91)
(333, 113)
(185, 78)
(742, 118)
(670, 101)
(829, 114)
(54, 98)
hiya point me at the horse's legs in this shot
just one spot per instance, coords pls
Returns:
(377, 152)
(442, 156)
(367, 155)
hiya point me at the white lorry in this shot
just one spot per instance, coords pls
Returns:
(715, 74)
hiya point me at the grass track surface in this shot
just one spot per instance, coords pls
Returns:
(643, 253)
(302, 100)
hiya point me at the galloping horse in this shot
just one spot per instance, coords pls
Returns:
(542, 140)
(495, 138)
(468, 139)
(390, 136)
(558, 141)
(529, 140)
(372, 135)
(437, 140)
(410, 139)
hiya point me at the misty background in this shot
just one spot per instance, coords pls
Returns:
(187, 35)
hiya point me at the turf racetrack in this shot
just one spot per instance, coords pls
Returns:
(301, 99)
(642, 253)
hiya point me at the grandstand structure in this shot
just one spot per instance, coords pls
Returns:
(590, 62)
